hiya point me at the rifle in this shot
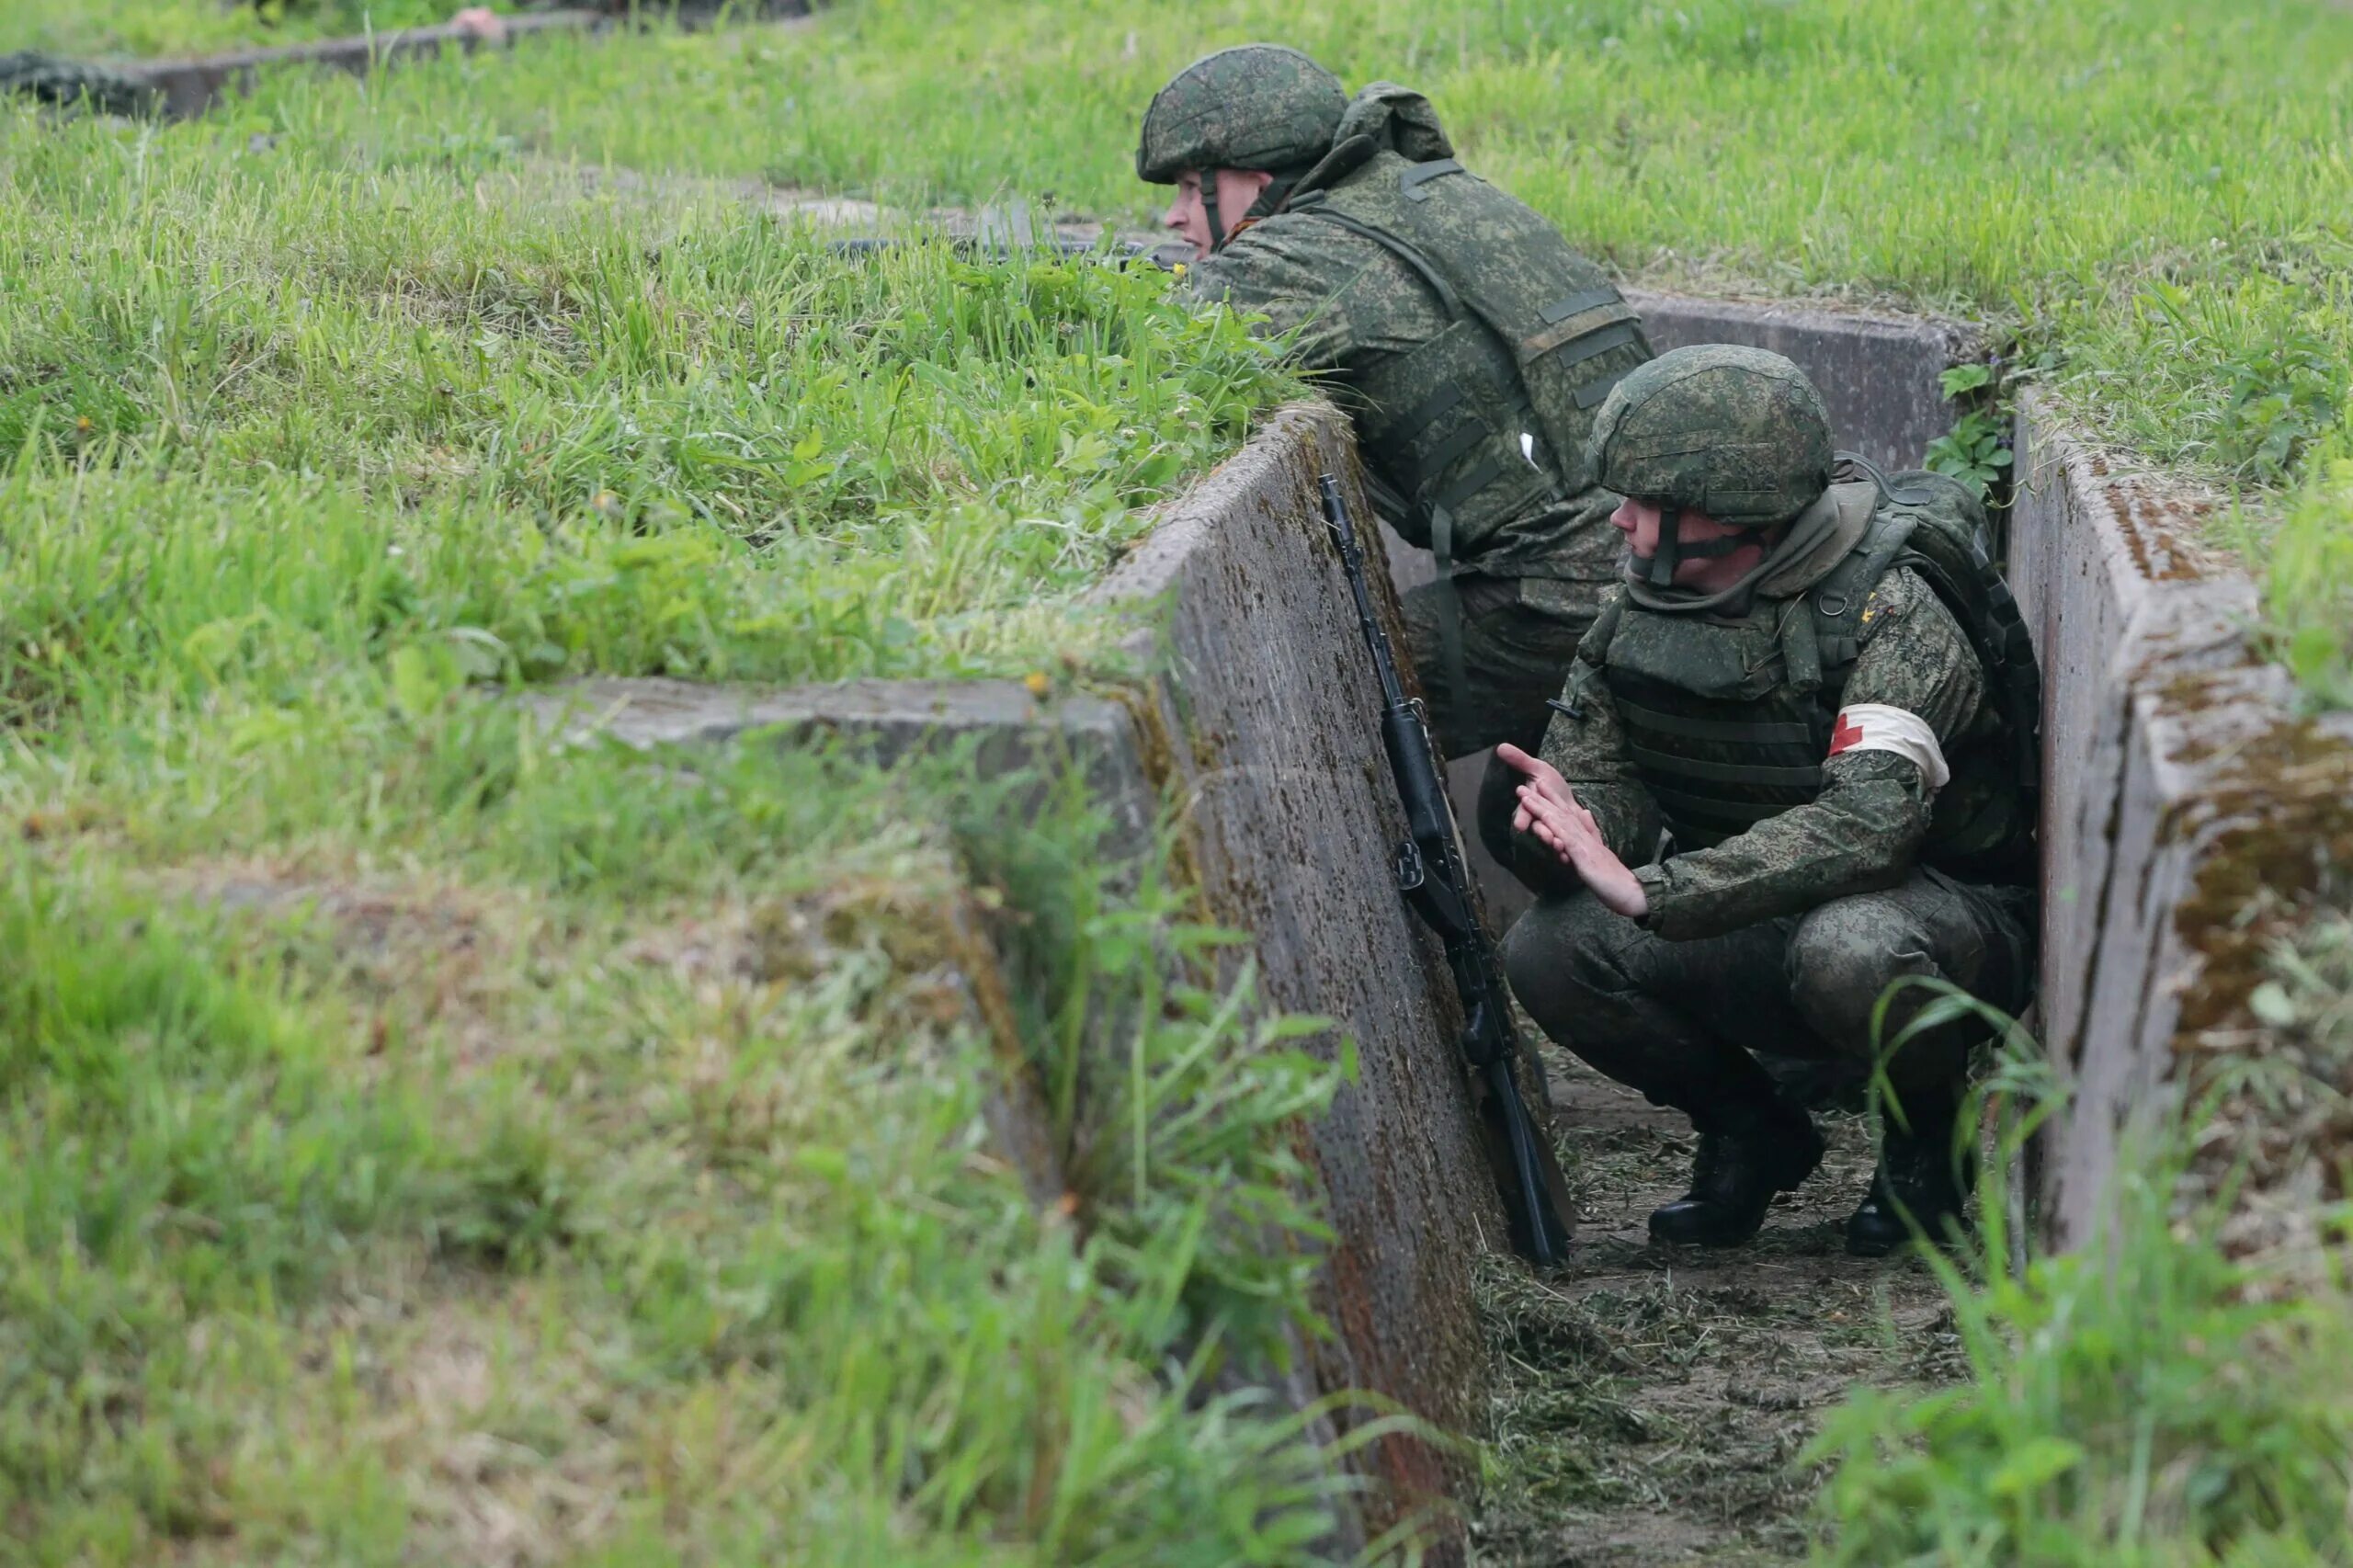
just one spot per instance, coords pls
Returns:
(1436, 882)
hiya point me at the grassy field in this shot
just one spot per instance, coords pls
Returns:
(428, 1144)
(548, 435)
(2152, 193)
(152, 28)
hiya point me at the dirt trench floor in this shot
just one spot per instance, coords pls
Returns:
(1651, 1403)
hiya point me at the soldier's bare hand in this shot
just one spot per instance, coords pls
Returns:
(1541, 776)
(1549, 812)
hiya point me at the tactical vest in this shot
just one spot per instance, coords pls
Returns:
(1729, 722)
(1488, 419)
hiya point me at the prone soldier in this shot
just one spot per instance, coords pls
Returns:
(1820, 692)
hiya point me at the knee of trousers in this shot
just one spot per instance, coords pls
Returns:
(1561, 954)
(1842, 959)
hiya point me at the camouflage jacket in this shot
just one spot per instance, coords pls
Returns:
(1354, 310)
(1862, 831)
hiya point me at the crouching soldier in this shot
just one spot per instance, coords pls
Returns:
(1470, 345)
(1822, 693)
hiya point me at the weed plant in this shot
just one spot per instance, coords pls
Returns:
(2134, 1402)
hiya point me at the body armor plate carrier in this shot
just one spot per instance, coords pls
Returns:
(1729, 722)
(1488, 419)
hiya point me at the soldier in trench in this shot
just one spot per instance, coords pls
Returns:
(1802, 683)
(1470, 345)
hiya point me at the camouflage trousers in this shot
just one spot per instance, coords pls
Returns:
(1519, 636)
(1682, 1022)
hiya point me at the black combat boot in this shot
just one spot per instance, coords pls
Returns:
(1740, 1166)
(1918, 1189)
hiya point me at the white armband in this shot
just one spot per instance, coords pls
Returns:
(1875, 726)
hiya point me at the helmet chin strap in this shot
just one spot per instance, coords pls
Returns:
(1208, 210)
(1659, 567)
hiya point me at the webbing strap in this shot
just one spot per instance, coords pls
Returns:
(1471, 483)
(1450, 606)
(1470, 434)
(1682, 805)
(1726, 772)
(1590, 394)
(1760, 732)
(1412, 179)
(1593, 344)
(1404, 252)
(1577, 305)
(1428, 412)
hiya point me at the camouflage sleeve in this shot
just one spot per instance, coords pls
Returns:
(1862, 831)
(1591, 754)
(1338, 295)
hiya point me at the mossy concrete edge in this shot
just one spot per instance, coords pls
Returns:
(2181, 777)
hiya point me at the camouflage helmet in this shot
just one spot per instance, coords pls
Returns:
(1737, 434)
(1259, 106)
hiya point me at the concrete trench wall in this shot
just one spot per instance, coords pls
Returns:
(2179, 778)
(1261, 725)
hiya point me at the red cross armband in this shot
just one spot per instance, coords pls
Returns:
(1875, 726)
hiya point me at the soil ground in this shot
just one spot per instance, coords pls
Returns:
(1651, 1402)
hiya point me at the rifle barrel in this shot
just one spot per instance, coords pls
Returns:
(1436, 882)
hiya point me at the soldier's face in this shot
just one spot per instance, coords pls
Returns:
(1190, 219)
(1639, 521)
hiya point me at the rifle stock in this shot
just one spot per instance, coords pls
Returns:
(1435, 881)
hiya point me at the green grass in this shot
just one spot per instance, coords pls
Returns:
(150, 28)
(2151, 195)
(2145, 1400)
(546, 434)
(427, 1141)
(430, 1143)
(412, 1130)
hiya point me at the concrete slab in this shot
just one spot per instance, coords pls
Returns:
(1877, 373)
(188, 87)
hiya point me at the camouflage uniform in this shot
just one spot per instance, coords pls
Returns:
(1804, 879)
(1468, 341)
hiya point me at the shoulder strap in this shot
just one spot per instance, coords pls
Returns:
(1838, 600)
(1405, 253)
(1594, 646)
